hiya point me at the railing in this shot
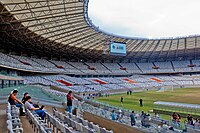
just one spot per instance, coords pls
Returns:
(13, 121)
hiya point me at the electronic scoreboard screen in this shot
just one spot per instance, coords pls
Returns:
(117, 48)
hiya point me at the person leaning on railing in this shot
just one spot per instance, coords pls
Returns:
(14, 101)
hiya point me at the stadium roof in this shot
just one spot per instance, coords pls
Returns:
(63, 28)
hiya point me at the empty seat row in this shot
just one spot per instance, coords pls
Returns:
(79, 123)
(14, 124)
(37, 123)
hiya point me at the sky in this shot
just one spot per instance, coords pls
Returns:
(146, 18)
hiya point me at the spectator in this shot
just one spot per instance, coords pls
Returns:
(119, 116)
(197, 123)
(113, 115)
(142, 116)
(156, 115)
(178, 119)
(189, 119)
(69, 101)
(133, 118)
(14, 101)
(122, 99)
(30, 106)
(141, 102)
(25, 95)
(174, 117)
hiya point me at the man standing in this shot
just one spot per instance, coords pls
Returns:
(132, 118)
(141, 102)
(14, 101)
(142, 116)
(69, 101)
(119, 116)
(113, 115)
(122, 99)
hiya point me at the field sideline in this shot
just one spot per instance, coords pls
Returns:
(131, 102)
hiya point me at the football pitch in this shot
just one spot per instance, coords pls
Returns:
(131, 102)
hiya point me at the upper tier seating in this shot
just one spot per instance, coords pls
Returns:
(115, 68)
(131, 67)
(84, 68)
(69, 68)
(52, 66)
(197, 65)
(27, 60)
(164, 66)
(147, 67)
(181, 66)
(100, 69)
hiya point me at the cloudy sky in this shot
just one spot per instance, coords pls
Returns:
(146, 18)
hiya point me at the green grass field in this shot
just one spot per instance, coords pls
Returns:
(131, 102)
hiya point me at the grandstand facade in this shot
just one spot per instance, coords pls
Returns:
(62, 29)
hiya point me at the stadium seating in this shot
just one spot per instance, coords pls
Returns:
(37, 123)
(100, 69)
(131, 67)
(164, 67)
(14, 124)
(147, 67)
(110, 83)
(181, 66)
(115, 68)
(52, 66)
(78, 123)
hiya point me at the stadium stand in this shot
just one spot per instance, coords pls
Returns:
(110, 83)
(53, 47)
(13, 121)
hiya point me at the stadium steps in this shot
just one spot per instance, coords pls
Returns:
(23, 62)
(121, 67)
(90, 66)
(106, 67)
(57, 66)
(74, 67)
(26, 125)
(172, 66)
(138, 67)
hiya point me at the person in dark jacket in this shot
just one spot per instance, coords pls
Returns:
(69, 101)
(25, 95)
(141, 104)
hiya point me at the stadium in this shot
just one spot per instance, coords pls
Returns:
(50, 48)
